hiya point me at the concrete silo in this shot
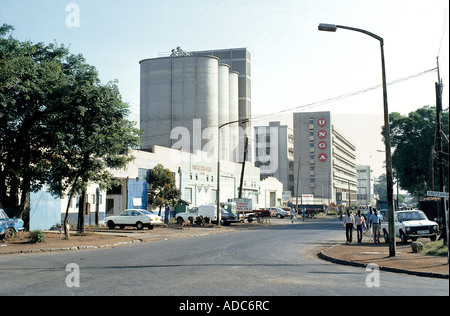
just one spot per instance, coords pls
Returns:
(224, 110)
(175, 91)
(234, 115)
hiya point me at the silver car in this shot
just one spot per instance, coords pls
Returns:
(278, 212)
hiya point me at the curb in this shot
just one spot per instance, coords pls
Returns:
(326, 257)
(70, 248)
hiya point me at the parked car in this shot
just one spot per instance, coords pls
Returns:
(278, 212)
(134, 217)
(228, 217)
(411, 224)
(9, 226)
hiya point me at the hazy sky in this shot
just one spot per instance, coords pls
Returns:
(293, 64)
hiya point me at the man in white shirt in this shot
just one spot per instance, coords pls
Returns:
(376, 226)
(349, 222)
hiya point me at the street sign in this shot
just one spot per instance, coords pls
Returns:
(438, 194)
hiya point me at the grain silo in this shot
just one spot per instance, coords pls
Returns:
(175, 91)
(224, 110)
(234, 116)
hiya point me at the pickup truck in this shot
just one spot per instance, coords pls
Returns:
(411, 224)
(227, 217)
(9, 226)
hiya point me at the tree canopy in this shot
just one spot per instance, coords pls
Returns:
(59, 125)
(162, 187)
(415, 155)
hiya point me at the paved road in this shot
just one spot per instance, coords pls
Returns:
(263, 262)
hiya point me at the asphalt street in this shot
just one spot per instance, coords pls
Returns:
(273, 261)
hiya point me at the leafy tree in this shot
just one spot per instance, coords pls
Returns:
(380, 187)
(162, 187)
(414, 139)
(31, 81)
(61, 127)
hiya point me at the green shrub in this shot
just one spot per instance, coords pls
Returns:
(36, 236)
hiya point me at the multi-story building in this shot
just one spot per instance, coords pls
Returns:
(365, 195)
(274, 153)
(326, 159)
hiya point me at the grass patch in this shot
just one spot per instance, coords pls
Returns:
(436, 248)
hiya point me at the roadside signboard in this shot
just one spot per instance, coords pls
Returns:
(438, 194)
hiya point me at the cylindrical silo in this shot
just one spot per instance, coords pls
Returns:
(207, 73)
(155, 99)
(224, 109)
(175, 91)
(233, 113)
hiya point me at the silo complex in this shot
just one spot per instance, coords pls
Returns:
(234, 116)
(184, 93)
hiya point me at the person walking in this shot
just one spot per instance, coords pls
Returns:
(293, 214)
(376, 226)
(166, 213)
(360, 223)
(369, 223)
(349, 222)
(303, 213)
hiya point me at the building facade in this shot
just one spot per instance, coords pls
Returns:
(365, 195)
(326, 160)
(274, 153)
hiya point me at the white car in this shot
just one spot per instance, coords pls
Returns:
(411, 224)
(134, 217)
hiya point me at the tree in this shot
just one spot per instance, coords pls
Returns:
(61, 127)
(414, 139)
(162, 187)
(380, 187)
(31, 87)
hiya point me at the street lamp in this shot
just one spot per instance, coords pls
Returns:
(387, 138)
(246, 120)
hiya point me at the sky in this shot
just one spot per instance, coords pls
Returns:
(295, 67)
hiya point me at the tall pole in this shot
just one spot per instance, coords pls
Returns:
(387, 142)
(218, 213)
(387, 133)
(298, 181)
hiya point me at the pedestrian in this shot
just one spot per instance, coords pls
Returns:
(376, 226)
(360, 223)
(349, 222)
(293, 214)
(167, 213)
(369, 223)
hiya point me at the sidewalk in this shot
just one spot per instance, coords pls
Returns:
(405, 261)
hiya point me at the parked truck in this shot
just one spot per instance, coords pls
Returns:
(209, 212)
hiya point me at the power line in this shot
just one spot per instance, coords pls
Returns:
(334, 99)
(345, 96)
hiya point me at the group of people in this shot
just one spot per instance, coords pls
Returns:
(358, 222)
(293, 212)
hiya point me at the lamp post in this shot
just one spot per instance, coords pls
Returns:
(218, 166)
(387, 138)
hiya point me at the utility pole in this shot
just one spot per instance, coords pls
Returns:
(243, 167)
(298, 181)
(438, 87)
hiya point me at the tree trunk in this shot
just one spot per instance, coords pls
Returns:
(66, 218)
(81, 213)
